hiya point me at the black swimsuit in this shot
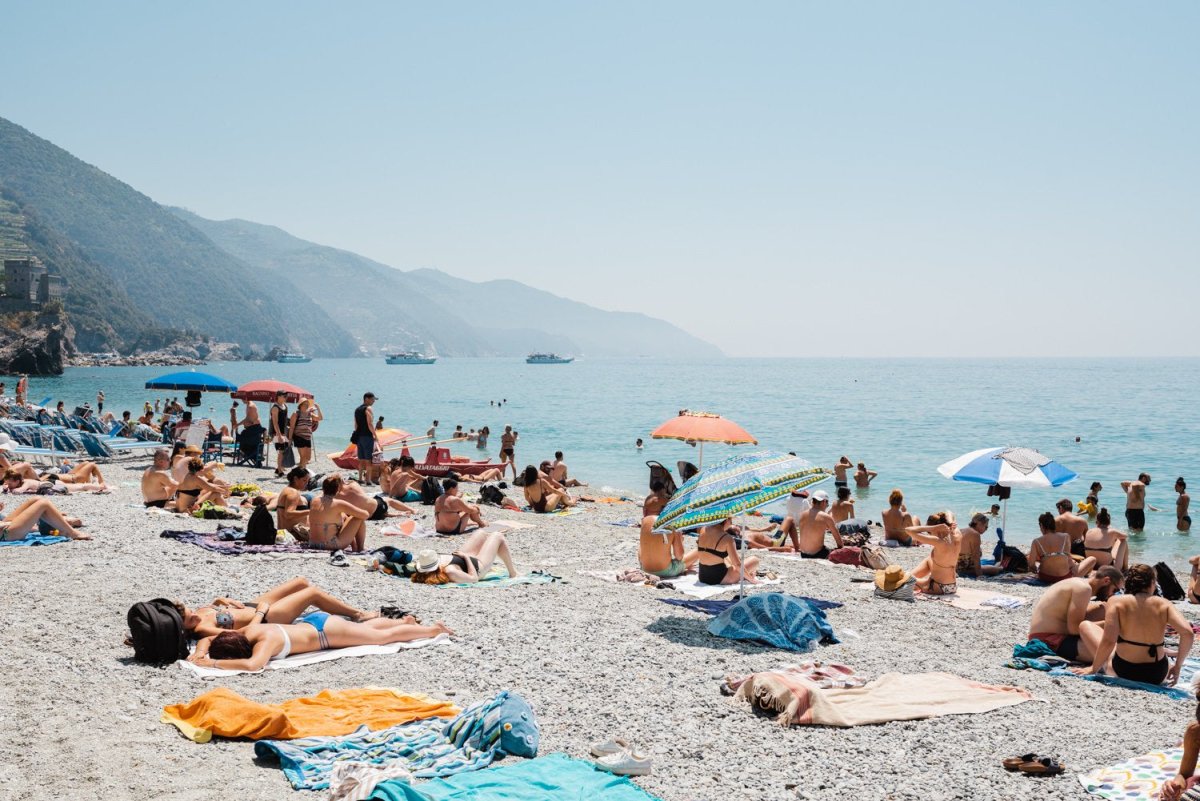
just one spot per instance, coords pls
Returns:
(1145, 672)
(459, 561)
(714, 574)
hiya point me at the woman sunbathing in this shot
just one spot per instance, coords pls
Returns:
(1134, 631)
(15, 484)
(468, 564)
(541, 494)
(719, 559)
(1106, 545)
(195, 489)
(333, 523)
(257, 644)
(1185, 779)
(282, 604)
(938, 573)
(82, 473)
(26, 518)
(1050, 554)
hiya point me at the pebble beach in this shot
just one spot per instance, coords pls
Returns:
(594, 659)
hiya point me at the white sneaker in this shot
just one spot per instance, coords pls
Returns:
(613, 746)
(626, 763)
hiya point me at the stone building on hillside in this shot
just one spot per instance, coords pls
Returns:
(28, 285)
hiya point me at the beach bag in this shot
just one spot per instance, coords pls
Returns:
(1168, 585)
(872, 556)
(289, 458)
(260, 528)
(905, 592)
(846, 555)
(1013, 561)
(156, 632)
(491, 495)
(395, 561)
(431, 490)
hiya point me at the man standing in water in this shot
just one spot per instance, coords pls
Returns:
(364, 436)
(840, 472)
(1135, 501)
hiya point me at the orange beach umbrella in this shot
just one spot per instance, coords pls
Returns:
(703, 427)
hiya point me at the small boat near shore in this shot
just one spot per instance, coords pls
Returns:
(438, 462)
(548, 358)
(294, 358)
(410, 357)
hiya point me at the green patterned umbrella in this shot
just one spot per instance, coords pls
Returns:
(735, 486)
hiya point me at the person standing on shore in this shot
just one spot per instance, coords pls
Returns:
(1183, 521)
(508, 441)
(22, 389)
(364, 436)
(279, 428)
(1135, 501)
(100, 402)
(304, 423)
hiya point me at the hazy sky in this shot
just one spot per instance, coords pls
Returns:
(782, 179)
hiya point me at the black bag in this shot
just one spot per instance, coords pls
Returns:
(156, 631)
(1013, 561)
(289, 457)
(260, 528)
(491, 495)
(395, 561)
(431, 490)
(1168, 585)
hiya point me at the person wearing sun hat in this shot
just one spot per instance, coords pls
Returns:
(895, 583)
(468, 564)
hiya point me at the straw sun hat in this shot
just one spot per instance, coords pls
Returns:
(427, 561)
(891, 579)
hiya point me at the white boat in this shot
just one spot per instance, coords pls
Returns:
(293, 358)
(410, 357)
(548, 358)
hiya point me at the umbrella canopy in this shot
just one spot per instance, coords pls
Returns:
(703, 427)
(735, 486)
(191, 381)
(1022, 468)
(267, 389)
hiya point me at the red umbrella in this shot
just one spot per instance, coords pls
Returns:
(267, 389)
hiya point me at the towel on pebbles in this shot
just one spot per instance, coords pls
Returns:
(302, 660)
(974, 599)
(1137, 779)
(688, 584)
(415, 530)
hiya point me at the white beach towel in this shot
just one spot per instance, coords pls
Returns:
(687, 584)
(301, 660)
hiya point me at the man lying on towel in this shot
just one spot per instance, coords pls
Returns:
(282, 604)
(252, 647)
(1057, 615)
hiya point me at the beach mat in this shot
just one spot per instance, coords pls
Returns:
(1137, 779)
(974, 599)
(210, 542)
(688, 584)
(36, 539)
(416, 530)
(1182, 691)
(497, 578)
(717, 607)
(554, 777)
(303, 660)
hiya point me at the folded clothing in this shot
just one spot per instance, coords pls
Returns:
(224, 713)
(555, 777)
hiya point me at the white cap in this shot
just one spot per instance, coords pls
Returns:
(820, 495)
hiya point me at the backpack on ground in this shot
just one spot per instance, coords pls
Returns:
(431, 490)
(1013, 561)
(395, 561)
(260, 528)
(491, 495)
(1168, 585)
(156, 632)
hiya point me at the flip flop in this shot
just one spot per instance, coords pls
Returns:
(1041, 767)
(339, 559)
(1012, 764)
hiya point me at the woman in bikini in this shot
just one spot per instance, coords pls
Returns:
(195, 489)
(541, 495)
(468, 564)
(252, 647)
(719, 560)
(335, 524)
(1106, 545)
(896, 519)
(1133, 633)
(453, 515)
(27, 517)
(282, 604)
(1050, 554)
(938, 573)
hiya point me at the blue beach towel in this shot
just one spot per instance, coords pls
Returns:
(499, 578)
(709, 607)
(555, 777)
(1180, 692)
(36, 539)
(775, 619)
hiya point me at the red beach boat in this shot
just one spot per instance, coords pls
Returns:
(438, 462)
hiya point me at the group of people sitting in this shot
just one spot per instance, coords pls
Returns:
(178, 480)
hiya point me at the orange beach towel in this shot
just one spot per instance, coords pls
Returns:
(329, 713)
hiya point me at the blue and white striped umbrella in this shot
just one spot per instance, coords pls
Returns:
(1022, 468)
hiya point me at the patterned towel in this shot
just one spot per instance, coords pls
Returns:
(717, 607)
(1137, 779)
(209, 542)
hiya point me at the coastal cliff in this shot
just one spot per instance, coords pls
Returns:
(36, 343)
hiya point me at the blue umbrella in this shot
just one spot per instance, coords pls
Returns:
(191, 381)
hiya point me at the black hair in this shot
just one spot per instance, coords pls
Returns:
(558, 455)
(1102, 517)
(1063, 505)
(843, 493)
(297, 472)
(407, 461)
(1046, 521)
(1139, 578)
(449, 484)
(1179, 482)
(531, 475)
(657, 486)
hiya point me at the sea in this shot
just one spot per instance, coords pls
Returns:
(1107, 419)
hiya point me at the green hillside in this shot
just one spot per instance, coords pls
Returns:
(168, 271)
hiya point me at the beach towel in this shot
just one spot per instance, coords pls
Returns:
(1182, 691)
(498, 577)
(893, 696)
(775, 619)
(688, 583)
(573, 510)
(313, 657)
(974, 599)
(210, 542)
(826, 675)
(224, 713)
(354, 781)
(555, 777)
(36, 539)
(629, 522)
(428, 748)
(717, 607)
(1137, 779)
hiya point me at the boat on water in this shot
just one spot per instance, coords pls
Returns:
(548, 358)
(293, 358)
(438, 462)
(410, 357)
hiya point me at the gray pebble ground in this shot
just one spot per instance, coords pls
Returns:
(594, 659)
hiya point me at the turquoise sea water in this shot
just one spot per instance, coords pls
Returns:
(903, 417)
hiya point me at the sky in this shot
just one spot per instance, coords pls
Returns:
(780, 179)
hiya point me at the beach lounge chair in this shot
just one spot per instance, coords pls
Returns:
(660, 472)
